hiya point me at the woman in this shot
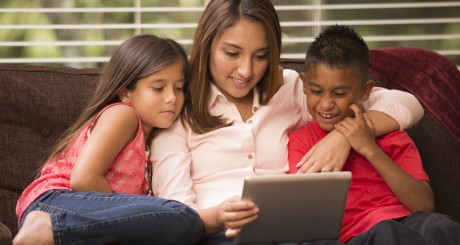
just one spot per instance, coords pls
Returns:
(238, 115)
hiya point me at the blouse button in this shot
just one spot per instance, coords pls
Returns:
(249, 121)
(250, 156)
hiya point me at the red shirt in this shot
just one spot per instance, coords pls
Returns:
(370, 200)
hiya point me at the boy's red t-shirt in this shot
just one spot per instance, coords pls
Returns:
(370, 200)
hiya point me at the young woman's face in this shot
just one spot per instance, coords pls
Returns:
(330, 92)
(158, 98)
(239, 58)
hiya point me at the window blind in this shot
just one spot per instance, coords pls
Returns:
(85, 35)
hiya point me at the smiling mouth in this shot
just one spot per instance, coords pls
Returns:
(327, 116)
(239, 82)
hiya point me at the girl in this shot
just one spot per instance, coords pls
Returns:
(89, 189)
(241, 109)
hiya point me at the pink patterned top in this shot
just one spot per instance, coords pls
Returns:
(126, 174)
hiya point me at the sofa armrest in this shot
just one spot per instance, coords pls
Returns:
(429, 76)
(435, 81)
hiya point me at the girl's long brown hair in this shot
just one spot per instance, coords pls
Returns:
(218, 16)
(135, 58)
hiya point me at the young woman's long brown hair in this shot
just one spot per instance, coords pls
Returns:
(218, 16)
(135, 58)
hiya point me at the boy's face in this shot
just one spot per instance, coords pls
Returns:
(331, 91)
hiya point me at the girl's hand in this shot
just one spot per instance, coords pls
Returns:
(328, 155)
(359, 132)
(234, 213)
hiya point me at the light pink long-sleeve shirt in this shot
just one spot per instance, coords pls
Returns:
(202, 170)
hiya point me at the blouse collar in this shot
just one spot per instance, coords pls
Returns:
(216, 96)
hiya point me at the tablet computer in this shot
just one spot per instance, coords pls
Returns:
(296, 207)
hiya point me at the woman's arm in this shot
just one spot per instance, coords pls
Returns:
(390, 110)
(171, 161)
(390, 106)
(115, 128)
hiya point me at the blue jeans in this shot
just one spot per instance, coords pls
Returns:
(100, 218)
(418, 228)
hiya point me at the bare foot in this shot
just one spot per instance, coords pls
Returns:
(35, 230)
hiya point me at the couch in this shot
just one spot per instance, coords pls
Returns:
(39, 102)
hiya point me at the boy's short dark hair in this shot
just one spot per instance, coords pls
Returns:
(339, 47)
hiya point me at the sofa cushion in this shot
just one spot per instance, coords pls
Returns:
(38, 104)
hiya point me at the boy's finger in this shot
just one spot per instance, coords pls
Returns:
(357, 111)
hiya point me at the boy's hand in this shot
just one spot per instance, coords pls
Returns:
(359, 131)
(234, 213)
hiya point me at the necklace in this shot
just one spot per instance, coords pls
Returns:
(147, 183)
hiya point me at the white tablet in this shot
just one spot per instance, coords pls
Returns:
(296, 207)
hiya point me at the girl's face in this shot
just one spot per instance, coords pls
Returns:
(158, 98)
(239, 58)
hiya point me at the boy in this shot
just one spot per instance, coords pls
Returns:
(390, 200)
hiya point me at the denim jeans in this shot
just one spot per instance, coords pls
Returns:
(418, 228)
(101, 218)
